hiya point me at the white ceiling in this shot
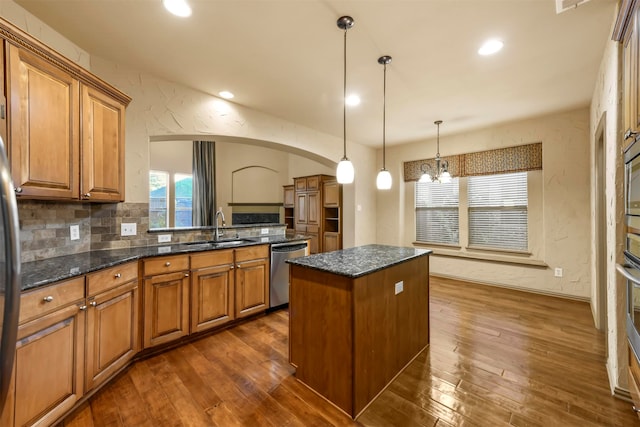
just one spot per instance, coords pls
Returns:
(284, 57)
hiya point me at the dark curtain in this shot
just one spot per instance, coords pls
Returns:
(204, 172)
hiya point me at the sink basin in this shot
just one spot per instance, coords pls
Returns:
(230, 242)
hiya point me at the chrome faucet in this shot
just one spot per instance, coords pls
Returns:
(218, 233)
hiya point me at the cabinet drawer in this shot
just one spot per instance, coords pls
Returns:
(212, 258)
(252, 252)
(313, 182)
(111, 277)
(169, 264)
(313, 229)
(49, 298)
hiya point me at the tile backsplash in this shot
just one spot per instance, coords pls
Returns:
(45, 228)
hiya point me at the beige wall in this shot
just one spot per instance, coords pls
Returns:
(559, 218)
(161, 108)
(605, 107)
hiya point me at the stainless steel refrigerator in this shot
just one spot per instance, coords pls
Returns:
(9, 275)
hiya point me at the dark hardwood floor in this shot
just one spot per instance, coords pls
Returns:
(497, 357)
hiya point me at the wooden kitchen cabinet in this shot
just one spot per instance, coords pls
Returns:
(166, 299)
(634, 379)
(212, 289)
(112, 322)
(318, 202)
(252, 280)
(102, 146)
(289, 206)
(49, 365)
(65, 125)
(44, 126)
(626, 30)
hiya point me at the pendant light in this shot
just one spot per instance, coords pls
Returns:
(441, 174)
(345, 172)
(384, 179)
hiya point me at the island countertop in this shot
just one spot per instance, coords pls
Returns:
(359, 261)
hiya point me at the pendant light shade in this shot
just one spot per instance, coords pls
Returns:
(384, 179)
(345, 172)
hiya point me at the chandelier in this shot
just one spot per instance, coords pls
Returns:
(441, 174)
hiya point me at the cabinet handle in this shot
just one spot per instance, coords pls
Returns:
(93, 303)
(82, 308)
(628, 134)
(3, 112)
(87, 195)
(231, 267)
(48, 298)
(167, 264)
(186, 274)
(635, 409)
(18, 190)
(117, 275)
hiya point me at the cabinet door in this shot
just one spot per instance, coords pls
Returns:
(49, 366)
(44, 127)
(313, 208)
(289, 196)
(331, 194)
(112, 332)
(314, 242)
(166, 308)
(102, 147)
(331, 242)
(3, 98)
(212, 295)
(252, 287)
(301, 208)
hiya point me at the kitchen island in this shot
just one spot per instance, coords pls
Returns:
(357, 317)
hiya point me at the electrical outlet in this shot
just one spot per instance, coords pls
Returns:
(128, 229)
(164, 249)
(264, 231)
(164, 238)
(74, 232)
(399, 287)
(557, 272)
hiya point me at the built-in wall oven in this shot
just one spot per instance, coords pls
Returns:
(631, 269)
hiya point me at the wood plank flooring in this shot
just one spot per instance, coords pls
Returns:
(497, 357)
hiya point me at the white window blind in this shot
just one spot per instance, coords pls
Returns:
(437, 212)
(498, 211)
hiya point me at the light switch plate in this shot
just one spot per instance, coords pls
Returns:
(74, 232)
(128, 229)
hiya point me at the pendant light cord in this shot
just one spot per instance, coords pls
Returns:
(438, 140)
(344, 98)
(384, 116)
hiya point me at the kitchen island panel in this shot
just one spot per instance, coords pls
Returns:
(321, 339)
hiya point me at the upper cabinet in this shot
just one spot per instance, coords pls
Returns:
(626, 31)
(65, 126)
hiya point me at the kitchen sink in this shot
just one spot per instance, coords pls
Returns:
(230, 242)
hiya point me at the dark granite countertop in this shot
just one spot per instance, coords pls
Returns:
(47, 271)
(356, 262)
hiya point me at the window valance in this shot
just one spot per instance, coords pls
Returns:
(520, 158)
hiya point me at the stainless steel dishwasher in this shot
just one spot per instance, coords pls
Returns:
(279, 285)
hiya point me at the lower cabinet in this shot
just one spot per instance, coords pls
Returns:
(212, 289)
(252, 280)
(332, 242)
(166, 299)
(49, 365)
(634, 380)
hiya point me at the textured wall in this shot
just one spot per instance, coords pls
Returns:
(559, 220)
(605, 107)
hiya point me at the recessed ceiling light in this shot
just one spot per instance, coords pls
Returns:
(177, 7)
(490, 47)
(226, 94)
(352, 100)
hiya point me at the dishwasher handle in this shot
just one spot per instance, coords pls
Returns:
(288, 248)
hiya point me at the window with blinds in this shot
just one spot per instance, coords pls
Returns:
(498, 211)
(437, 212)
